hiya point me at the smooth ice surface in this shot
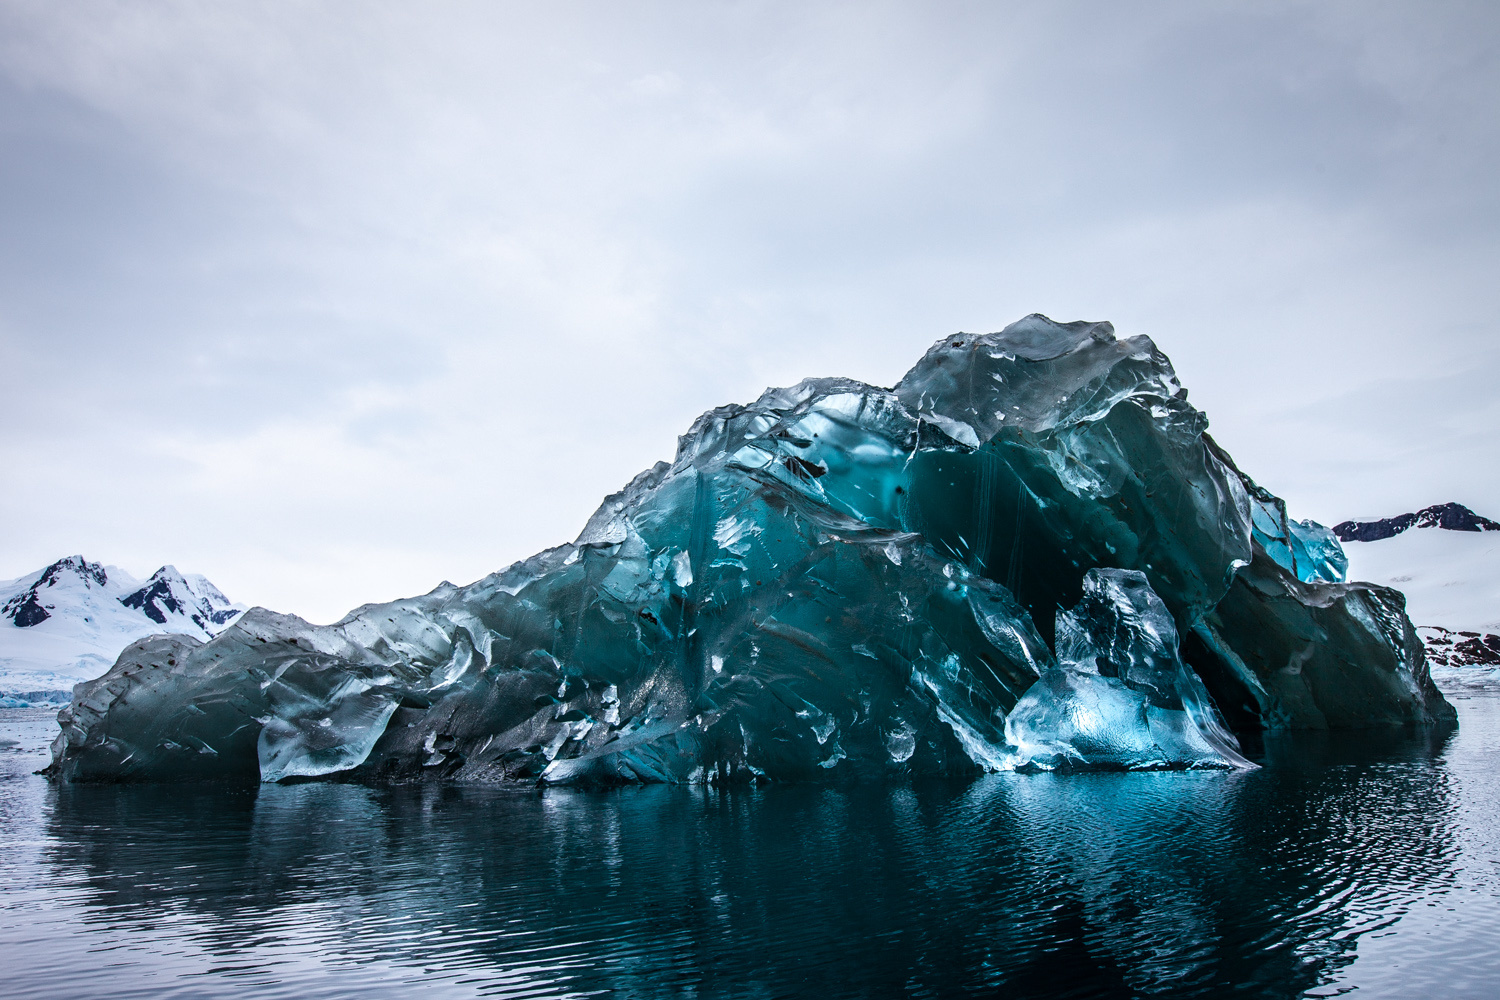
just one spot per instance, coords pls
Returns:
(835, 580)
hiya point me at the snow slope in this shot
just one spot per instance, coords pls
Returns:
(68, 622)
(1447, 561)
(1450, 578)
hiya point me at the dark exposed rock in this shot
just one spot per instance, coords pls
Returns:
(155, 600)
(1447, 648)
(1449, 516)
(26, 609)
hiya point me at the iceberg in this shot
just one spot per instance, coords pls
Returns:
(836, 580)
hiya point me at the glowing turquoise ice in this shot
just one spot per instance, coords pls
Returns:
(1119, 694)
(1306, 549)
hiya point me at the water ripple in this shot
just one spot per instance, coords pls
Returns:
(1350, 860)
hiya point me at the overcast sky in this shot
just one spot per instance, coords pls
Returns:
(333, 301)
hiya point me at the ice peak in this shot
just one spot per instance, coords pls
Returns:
(1039, 338)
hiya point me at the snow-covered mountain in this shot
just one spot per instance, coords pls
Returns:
(69, 622)
(1450, 516)
(1446, 559)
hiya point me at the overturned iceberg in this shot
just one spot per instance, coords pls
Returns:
(1029, 554)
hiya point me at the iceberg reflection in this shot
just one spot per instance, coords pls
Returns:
(1156, 883)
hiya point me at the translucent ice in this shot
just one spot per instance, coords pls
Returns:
(1306, 549)
(836, 579)
(1119, 695)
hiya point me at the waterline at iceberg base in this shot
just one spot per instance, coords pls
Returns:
(1028, 555)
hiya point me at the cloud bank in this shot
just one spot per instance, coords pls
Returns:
(331, 302)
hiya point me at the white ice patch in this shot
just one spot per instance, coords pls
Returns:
(733, 534)
(956, 429)
(901, 742)
(682, 570)
(978, 749)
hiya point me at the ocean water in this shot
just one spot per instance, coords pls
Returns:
(1351, 863)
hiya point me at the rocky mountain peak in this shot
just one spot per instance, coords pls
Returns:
(28, 607)
(1449, 516)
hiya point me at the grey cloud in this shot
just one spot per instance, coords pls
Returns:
(332, 307)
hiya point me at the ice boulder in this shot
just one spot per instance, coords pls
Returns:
(1119, 694)
(834, 580)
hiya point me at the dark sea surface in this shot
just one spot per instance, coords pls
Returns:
(1366, 863)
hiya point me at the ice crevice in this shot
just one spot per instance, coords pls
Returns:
(1027, 555)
